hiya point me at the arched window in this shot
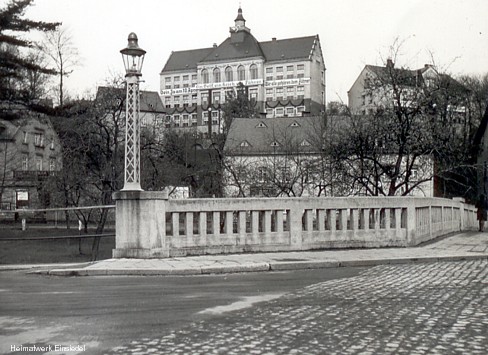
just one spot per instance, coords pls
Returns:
(205, 76)
(229, 76)
(216, 75)
(254, 71)
(241, 73)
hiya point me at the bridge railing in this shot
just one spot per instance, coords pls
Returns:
(150, 225)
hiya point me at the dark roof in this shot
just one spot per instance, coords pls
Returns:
(241, 44)
(291, 48)
(150, 100)
(258, 136)
(185, 60)
(7, 130)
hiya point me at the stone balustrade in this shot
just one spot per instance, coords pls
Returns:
(149, 225)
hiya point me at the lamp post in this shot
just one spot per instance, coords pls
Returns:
(133, 57)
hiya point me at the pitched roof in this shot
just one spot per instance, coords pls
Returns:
(241, 44)
(150, 101)
(257, 136)
(186, 60)
(291, 48)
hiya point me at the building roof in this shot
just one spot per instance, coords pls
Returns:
(291, 48)
(150, 100)
(7, 130)
(285, 135)
(239, 45)
(186, 60)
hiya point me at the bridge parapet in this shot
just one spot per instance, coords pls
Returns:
(149, 225)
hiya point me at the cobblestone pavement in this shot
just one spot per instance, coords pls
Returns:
(433, 308)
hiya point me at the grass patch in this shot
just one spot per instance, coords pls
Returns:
(49, 251)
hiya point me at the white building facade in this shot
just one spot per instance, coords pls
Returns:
(284, 78)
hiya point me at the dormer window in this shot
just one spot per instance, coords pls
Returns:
(295, 124)
(305, 143)
(245, 144)
(275, 144)
(261, 125)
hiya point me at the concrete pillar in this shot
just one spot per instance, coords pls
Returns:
(140, 230)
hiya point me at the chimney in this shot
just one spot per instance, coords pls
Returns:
(274, 39)
(389, 63)
(215, 45)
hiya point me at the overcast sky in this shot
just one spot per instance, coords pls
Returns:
(352, 33)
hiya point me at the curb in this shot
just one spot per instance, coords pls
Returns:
(14, 267)
(254, 267)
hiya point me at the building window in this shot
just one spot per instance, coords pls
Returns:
(39, 163)
(167, 122)
(216, 75)
(204, 96)
(194, 120)
(269, 113)
(290, 111)
(194, 77)
(186, 77)
(241, 73)
(176, 79)
(205, 76)
(216, 97)
(269, 70)
(290, 92)
(300, 92)
(301, 67)
(186, 100)
(205, 117)
(253, 94)
(167, 79)
(52, 164)
(25, 162)
(186, 120)
(279, 69)
(279, 94)
(279, 112)
(228, 74)
(51, 145)
(290, 68)
(254, 71)
(300, 110)
(25, 139)
(215, 117)
(38, 139)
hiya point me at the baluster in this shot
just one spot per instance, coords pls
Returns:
(175, 219)
(229, 223)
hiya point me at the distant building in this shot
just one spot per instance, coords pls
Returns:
(285, 78)
(30, 152)
(286, 157)
(373, 89)
(151, 107)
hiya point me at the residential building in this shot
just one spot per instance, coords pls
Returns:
(30, 152)
(151, 108)
(378, 87)
(284, 78)
(288, 157)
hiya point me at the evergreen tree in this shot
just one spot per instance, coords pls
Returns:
(14, 61)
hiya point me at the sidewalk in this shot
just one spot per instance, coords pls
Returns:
(459, 246)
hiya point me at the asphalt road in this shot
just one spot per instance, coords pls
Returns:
(101, 313)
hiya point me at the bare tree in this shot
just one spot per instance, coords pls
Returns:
(59, 47)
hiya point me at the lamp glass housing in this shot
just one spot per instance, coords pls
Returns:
(133, 56)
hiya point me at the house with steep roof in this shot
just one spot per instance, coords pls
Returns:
(274, 157)
(30, 152)
(289, 156)
(284, 78)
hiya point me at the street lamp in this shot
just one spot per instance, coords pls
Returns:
(133, 57)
